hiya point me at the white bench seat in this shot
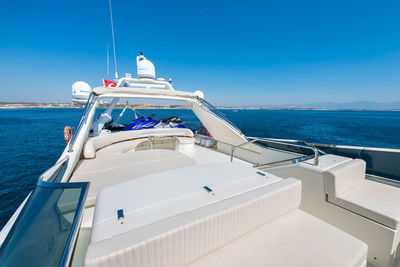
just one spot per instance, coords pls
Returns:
(296, 239)
(95, 143)
(347, 187)
(245, 213)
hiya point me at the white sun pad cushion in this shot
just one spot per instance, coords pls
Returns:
(183, 238)
(124, 167)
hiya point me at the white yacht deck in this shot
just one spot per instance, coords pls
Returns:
(155, 197)
(204, 214)
(119, 165)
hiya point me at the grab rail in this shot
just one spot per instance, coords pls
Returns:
(255, 139)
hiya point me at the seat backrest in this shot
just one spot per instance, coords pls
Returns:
(181, 239)
(342, 177)
(103, 140)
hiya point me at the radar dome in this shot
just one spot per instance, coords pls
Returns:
(80, 92)
(199, 93)
(145, 69)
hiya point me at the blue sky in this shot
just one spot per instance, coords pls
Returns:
(237, 52)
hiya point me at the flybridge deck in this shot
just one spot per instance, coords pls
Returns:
(124, 196)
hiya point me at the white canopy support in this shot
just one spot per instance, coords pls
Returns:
(220, 129)
(145, 91)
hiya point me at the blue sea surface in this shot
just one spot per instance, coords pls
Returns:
(31, 140)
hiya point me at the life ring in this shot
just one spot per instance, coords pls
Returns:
(205, 132)
(67, 134)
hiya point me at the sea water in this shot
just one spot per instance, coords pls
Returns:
(31, 140)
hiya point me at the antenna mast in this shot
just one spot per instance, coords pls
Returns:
(112, 31)
(108, 63)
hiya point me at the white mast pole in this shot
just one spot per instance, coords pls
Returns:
(112, 31)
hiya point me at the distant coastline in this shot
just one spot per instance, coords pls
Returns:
(20, 105)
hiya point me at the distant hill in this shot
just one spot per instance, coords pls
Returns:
(333, 105)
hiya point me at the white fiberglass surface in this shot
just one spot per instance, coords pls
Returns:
(155, 197)
(326, 161)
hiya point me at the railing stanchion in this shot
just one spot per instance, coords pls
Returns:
(255, 139)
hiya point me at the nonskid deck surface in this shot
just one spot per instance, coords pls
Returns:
(111, 168)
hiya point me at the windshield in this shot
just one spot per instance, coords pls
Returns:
(43, 233)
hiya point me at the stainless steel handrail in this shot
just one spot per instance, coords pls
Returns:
(282, 162)
(255, 139)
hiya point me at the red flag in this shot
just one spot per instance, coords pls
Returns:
(107, 83)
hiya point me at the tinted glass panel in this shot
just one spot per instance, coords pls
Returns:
(57, 174)
(42, 232)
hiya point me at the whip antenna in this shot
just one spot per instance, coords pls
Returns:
(108, 63)
(112, 31)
